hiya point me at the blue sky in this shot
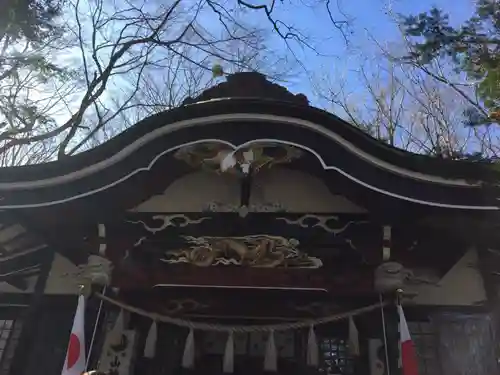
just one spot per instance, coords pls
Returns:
(370, 21)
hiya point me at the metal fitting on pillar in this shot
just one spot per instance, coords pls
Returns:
(389, 277)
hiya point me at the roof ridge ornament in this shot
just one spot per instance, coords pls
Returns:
(248, 85)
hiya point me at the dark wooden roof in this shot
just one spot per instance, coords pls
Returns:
(248, 85)
(126, 169)
(251, 93)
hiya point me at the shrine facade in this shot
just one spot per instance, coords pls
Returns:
(242, 215)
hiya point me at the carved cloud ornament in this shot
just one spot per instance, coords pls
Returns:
(162, 222)
(320, 221)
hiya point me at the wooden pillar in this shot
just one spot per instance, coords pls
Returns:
(30, 318)
(143, 365)
(392, 332)
(94, 314)
(46, 328)
(489, 267)
(300, 346)
(362, 363)
(170, 349)
(49, 338)
(373, 332)
(465, 345)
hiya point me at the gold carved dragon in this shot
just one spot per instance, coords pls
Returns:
(251, 251)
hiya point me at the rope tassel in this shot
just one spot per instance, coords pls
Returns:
(353, 338)
(188, 356)
(271, 358)
(312, 349)
(228, 366)
(117, 331)
(150, 347)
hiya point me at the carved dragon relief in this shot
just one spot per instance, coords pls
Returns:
(251, 251)
(220, 157)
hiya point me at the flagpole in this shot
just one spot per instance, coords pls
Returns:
(399, 293)
(385, 335)
(95, 328)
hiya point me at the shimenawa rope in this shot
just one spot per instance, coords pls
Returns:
(201, 326)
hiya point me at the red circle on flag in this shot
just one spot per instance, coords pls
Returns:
(73, 350)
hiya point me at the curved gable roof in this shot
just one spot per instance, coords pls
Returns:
(337, 149)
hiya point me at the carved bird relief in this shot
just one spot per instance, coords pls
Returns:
(220, 157)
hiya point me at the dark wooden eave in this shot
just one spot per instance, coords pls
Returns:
(144, 172)
(252, 88)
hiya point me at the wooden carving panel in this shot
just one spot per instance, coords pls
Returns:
(221, 157)
(334, 253)
(307, 238)
(263, 251)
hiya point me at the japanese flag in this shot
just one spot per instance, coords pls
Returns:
(408, 355)
(74, 363)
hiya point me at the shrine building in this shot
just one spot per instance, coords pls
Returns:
(235, 232)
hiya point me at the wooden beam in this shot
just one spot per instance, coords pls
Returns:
(334, 238)
(239, 303)
(348, 282)
(246, 189)
(52, 236)
(28, 336)
(152, 234)
(17, 282)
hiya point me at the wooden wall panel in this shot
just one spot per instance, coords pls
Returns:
(50, 336)
(467, 345)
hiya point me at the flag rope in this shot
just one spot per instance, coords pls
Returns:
(98, 317)
(201, 326)
(386, 349)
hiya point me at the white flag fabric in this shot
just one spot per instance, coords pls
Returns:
(74, 364)
(353, 338)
